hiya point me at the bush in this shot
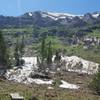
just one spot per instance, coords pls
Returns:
(33, 98)
(57, 82)
(95, 84)
(22, 62)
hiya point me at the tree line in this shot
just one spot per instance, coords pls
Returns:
(5, 60)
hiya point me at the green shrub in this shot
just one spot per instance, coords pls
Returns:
(95, 84)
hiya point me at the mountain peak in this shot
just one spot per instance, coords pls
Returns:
(52, 15)
(56, 16)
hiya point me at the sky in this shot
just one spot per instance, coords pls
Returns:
(18, 7)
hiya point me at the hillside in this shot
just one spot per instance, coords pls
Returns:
(52, 56)
(85, 44)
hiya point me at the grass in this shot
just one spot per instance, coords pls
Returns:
(89, 54)
(15, 30)
(7, 87)
(95, 33)
(92, 54)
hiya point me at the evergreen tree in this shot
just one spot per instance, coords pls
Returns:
(43, 49)
(58, 56)
(58, 59)
(16, 53)
(49, 56)
(4, 57)
(21, 47)
(46, 54)
(19, 52)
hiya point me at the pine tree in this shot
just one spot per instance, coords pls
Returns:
(21, 47)
(4, 57)
(46, 54)
(43, 49)
(58, 59)
(49, 56)
(19, 52)
(16, 53)
(58, 56)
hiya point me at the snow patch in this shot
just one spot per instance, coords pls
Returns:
(96, 15)
(61, 14)
(77, 64)
(39, 81)
(56, 16)
(67, 85)
(22, 75)
(30, 14)
(73, 64)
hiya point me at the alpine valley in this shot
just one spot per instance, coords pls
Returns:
(50, 56)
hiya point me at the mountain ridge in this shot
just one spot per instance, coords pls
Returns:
(45, 19)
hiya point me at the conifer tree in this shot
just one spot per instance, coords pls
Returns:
(4, 57)
(58, 56)
(16, 53)
(19, 52)
(43, 49)
(49, 56)
(21, 47)
(58, 59)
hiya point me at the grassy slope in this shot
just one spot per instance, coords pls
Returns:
(88, 54)
(95, 33)
(40, 91)
(57, 44)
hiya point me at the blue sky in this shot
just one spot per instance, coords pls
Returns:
(18, 7)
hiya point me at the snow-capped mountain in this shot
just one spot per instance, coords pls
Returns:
(51, 19)
(54, 16)
(57, 16)
(45, 19)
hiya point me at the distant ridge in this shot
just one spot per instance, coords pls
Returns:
(45, 19)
